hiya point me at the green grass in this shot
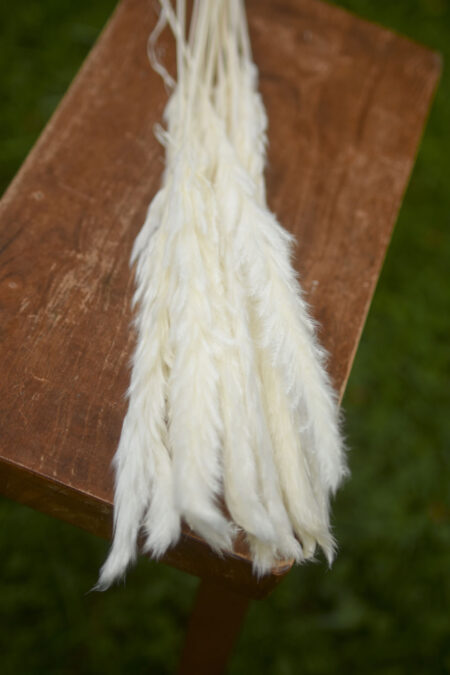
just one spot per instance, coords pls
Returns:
(384, 607)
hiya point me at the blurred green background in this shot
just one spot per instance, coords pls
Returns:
(385, 605)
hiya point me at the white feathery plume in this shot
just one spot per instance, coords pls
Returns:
(258, 475)
(167, 463)
(195, 422)
(254, 426)
(299, 357)
(306, 409)
(143, 477)
(291, 453)
(232, 423)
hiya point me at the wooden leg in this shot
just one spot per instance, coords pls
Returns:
(213, 628)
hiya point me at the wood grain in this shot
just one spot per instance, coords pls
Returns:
(347, 102)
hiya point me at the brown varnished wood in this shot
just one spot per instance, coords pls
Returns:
(212, 630)
(346, 101)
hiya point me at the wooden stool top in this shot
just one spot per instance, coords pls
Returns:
(346, 101)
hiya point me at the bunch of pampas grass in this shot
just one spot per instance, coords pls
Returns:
(229, 400)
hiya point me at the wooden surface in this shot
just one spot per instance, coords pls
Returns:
(212, 630)
(346, 101)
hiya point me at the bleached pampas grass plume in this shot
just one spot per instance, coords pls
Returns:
(232, 425)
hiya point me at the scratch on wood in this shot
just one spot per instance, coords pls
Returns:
(76, 192)
(40, 379)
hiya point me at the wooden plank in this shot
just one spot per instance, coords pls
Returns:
(346, 101)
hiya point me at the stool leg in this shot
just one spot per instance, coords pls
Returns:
(213, 628)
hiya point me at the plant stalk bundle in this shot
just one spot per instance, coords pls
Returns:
(232, 425)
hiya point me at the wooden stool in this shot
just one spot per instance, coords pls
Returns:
(347, 102)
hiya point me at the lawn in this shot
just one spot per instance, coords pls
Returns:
(384, 606)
